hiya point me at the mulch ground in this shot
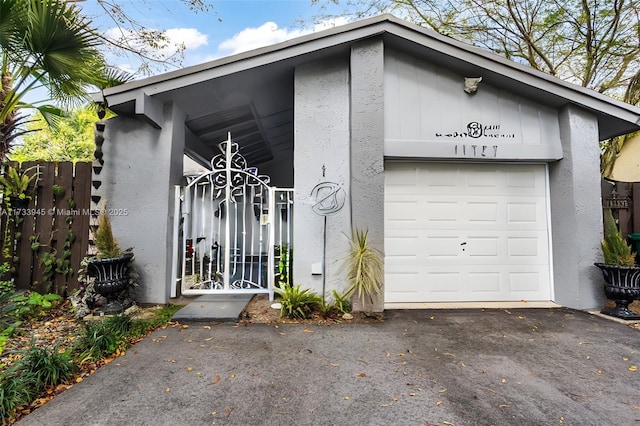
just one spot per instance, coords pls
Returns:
(260, 311)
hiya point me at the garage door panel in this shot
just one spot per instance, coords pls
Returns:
(476, 232)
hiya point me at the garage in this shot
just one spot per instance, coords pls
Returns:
(466, 232)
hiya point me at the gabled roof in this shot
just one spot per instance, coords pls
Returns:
(259, 82)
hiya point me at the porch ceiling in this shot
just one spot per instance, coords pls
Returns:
(257, 108)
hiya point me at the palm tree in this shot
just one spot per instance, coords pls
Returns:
(45, 46)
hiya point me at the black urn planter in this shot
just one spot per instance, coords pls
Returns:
(18, 203)
(111, 279)
(623, 287)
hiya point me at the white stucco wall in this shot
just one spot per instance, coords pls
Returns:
(428, 114)
(141, 165)
(576, 212)
(367, 145)
(321, 154)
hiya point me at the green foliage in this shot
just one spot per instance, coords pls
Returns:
(46, 367)
(615, 248)
(16, 182)
(297, 303)
(45, 44)
(341, 303)
(364, 268)
(284, 254)
(58, 191)
(104, 240)
(72, 139)
(15, 390)
(37, 368)
(33, 304)
(98, 340)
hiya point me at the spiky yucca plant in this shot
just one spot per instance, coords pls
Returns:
(364, 267)
(615, 248)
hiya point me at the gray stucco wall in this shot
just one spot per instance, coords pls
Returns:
(576, 212)
(367, 144)
(141, 165)
(321, 154)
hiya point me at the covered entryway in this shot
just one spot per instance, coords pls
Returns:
(466, 232)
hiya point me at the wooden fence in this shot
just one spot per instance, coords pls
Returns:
(45, 242)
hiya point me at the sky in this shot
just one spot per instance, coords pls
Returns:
(232, 26)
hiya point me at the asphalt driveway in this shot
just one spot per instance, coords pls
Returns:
(453, 367)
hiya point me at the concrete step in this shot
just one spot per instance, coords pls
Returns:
(214, 307)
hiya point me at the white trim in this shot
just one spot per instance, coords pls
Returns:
(552, 283)
(474, 305)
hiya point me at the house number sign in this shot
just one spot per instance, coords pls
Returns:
(479, 131)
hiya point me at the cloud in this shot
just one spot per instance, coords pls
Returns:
(267, 34)
(190, 37)
(253, 38)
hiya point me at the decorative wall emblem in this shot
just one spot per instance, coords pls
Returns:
(328, 198)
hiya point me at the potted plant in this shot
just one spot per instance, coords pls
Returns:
(621, 275)
(110, 268)
(365, 270)
(15, 185)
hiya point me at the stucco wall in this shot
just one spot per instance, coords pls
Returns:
(576, 212)
(367, 144)
(321, 155)
(141, 165)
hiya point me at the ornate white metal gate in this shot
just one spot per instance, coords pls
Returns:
(234, 230)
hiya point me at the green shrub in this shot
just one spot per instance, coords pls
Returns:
(34, 303)
(15, 390)
(297, 303)
(615, 248)
(98, 340)
(46, 367)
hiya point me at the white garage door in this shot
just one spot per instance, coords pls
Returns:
(466, 232)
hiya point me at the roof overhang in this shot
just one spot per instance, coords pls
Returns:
(264, 76)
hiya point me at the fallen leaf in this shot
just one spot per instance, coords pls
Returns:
(307, 330)
(443, 390)
(503, 381)
(503, 405)
(233, 376)
(78, 379)
(207, 327)
(438, 403)
(208, 338)
(412, 394)
(334, 365)
(215, 380)
(228, 411)
(624, 358)
(213, 413)
(361, 375)
(444, 422)
(346, 398)
(633, 368)
(189, 368)
(185, 326)
(167, 390)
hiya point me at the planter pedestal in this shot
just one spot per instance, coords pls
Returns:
(111, 278)
(623, 287)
